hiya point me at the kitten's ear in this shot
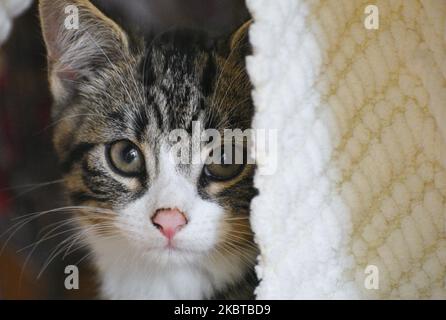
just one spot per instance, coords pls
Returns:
(240, 38)
(79, 39)
(239, 44)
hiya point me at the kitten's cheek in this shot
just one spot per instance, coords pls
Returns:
(202, 233)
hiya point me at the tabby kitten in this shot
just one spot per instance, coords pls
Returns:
(157, 229)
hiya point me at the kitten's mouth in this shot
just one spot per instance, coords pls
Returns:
(172, 248)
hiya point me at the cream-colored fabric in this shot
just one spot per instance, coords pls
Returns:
(361, 119)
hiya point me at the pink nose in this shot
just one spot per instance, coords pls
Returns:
(169, 221)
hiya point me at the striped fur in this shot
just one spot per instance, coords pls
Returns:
(109, 88)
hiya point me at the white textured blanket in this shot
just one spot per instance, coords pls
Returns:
(357, 208)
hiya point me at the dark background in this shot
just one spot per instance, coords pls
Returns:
(29, 178)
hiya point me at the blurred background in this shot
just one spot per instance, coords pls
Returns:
(32, 265)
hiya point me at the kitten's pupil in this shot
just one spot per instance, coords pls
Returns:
(227, 168)
(225, 161)
(129, 154)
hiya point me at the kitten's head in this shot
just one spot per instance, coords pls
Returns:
(117, 101)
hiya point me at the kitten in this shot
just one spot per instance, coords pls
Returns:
(157, 230)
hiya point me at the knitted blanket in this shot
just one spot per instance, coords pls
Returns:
(357, 205)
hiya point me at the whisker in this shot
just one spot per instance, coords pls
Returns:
(32, 216)
(32, 185)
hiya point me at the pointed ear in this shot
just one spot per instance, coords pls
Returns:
(241, 36)
(79, 39)
(239, 44)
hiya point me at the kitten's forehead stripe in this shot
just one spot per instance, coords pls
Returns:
(175, 80)
(209, 76)
(140, 123)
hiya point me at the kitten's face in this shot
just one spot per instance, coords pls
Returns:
(116, 104)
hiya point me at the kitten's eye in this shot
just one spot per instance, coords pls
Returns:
(226, 169)
(125, 158)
